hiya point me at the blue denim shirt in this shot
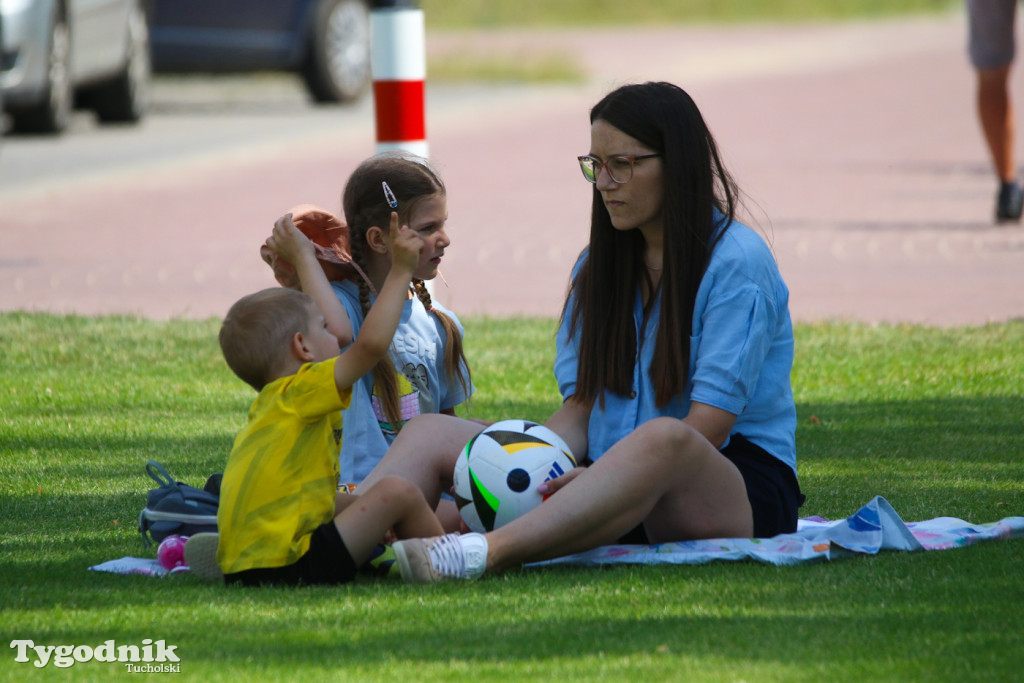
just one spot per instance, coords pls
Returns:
(741, 354)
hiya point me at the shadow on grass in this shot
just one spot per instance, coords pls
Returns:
(63, 465)
(850, 617)
(958, 457)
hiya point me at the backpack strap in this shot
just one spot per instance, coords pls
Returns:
(158, 474)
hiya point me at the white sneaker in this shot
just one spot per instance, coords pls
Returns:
(426, 560)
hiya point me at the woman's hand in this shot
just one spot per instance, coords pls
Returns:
(552, 486)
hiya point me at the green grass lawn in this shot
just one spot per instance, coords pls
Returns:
(551, 64)
(493, 13)
(929, 418)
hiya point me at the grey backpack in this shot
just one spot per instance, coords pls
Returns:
(177, 508)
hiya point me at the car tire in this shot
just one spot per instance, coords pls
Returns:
(124, 98)
(337, 65)
(53, 113)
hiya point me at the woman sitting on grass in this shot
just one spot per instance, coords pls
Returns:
(674, 358)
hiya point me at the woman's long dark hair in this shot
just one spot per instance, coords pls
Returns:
(664, 118)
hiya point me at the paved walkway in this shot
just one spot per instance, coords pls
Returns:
(856, 146)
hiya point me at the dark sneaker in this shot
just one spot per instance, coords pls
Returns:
(1009, 202)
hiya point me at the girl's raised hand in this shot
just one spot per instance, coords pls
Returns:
(406, 245)
(288, 242)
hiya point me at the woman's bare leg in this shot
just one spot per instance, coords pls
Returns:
(665, 474)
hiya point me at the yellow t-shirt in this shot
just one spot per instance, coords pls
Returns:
(281, 477)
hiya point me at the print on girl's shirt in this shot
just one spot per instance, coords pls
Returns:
(414, 397)
(420, 381)
(413, 380)
(407, 343)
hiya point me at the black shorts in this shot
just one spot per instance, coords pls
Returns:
(772, 489)
(327, 562)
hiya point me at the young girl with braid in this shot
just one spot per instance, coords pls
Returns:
(426, 371)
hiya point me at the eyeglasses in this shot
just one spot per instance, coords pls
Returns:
(619, 167)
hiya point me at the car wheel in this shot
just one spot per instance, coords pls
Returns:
(124, 98)
(337, 66)
(53, 113)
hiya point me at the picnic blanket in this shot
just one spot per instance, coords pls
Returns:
(137, 565)
(873, 528)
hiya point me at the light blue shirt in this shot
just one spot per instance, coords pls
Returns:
(418, 353)
(741, 354)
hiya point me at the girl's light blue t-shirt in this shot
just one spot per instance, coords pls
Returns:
(741, 354)
(418, 353)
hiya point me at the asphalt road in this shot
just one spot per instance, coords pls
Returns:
(190, 119)
(856, 146)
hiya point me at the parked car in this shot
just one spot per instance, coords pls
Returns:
(326, 41)
(58, 54)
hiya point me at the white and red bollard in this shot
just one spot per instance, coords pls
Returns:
(399, 63)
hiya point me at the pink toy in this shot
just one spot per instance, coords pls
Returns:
(171, 552)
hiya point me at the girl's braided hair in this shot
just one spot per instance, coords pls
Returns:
(411, 179)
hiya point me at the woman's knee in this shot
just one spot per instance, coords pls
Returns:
(670, 436)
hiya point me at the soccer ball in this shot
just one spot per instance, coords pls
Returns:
(498, 472)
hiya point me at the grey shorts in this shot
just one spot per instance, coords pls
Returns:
(991, 32)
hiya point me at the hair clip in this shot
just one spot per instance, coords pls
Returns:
(389, 196)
